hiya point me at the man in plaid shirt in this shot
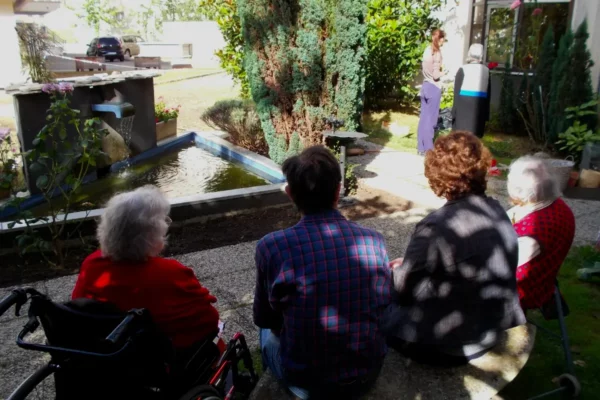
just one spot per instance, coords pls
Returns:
(321, 288)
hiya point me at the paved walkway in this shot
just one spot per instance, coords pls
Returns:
(229, 271)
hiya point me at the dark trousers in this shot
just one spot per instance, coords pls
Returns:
(427, 354)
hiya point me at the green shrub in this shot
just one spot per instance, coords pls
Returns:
(447, 98)
(239, 119)
(231, 56)
(397, 35)
(304, 61)
(574, 139)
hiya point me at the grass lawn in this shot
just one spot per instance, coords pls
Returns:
(583, 324)
(175, 75)
(505, 148)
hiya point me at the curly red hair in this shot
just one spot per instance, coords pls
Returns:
(457, 165)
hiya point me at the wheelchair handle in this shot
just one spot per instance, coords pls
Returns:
(125, 326)
(18, 297)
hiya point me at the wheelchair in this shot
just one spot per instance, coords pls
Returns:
(557, 309)
(98, 352)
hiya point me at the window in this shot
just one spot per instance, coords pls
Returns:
(501, 29)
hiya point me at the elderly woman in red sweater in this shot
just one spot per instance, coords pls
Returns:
(128, 272)
(545, 225)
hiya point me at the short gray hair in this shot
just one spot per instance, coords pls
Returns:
(529, 181)
(134, 225)
(475, 53)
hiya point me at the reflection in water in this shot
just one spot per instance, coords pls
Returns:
(185, 172)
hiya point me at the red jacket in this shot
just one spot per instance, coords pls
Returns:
(179, 305)
(553, 228)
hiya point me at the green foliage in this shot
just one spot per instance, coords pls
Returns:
(304, 61)
(180, 10)
(162, 113)
(240, 120)
(8, 163)
(535, 91)
(572, 82)
(97, 11)
(580, 64)
(559, 88)
(507, 110)
(447, 98)
(231, 56)
(574, 139)
(60, 164)
(397, 35)
(35, 42)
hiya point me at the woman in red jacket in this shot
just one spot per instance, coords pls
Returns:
(128, 272)
(546, 228)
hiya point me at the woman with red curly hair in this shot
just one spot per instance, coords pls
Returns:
(456, 288)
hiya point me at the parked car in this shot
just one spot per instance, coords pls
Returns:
(131, 45)
(109, 47)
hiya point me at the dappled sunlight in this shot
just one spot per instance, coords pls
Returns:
(332, 322)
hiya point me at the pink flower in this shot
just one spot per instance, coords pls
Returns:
(536, 12)
(516, 4)
(65, 87)
(50, 88)
(492, 65)
(4, 133)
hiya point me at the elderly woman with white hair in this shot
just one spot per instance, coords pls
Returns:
(127, 271)
(545, 225)
(472, 93)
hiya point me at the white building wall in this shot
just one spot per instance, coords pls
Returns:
(205, 37)
(456, 17)
(9, 46)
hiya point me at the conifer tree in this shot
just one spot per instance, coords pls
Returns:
(559, 87)
(305, 61)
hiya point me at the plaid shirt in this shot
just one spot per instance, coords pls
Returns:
(323, 284)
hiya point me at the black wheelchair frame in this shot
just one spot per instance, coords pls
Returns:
(123, 338)
(568, 382)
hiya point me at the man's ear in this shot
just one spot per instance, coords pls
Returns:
(337, 195)
(288, 191)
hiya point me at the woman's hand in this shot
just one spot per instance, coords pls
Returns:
(396, 263)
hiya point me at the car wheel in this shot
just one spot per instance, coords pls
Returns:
(122, 58)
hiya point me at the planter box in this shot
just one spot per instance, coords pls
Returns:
(166, 129)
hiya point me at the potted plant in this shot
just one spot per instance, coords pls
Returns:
(8, 164)
(166, 119)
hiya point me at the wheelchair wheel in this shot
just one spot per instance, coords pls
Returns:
(38, 386)
(571, 383)
(203, 392)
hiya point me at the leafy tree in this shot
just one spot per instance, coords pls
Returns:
(231, 56)
(304, 61)
(180, 10)
(97, 11)
(397, 35)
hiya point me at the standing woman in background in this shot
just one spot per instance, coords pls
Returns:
(472, 92)
(431, 91)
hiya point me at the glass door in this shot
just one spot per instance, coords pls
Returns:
(501, 29)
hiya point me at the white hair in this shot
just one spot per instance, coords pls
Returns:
(134, 224)
(529, 181)
(475, 53)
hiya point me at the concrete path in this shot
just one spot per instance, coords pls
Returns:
(403, 174)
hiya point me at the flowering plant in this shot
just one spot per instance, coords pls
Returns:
(162, 113)
(492, 65)
(8, 162)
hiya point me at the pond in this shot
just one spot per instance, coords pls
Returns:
(184, 172)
